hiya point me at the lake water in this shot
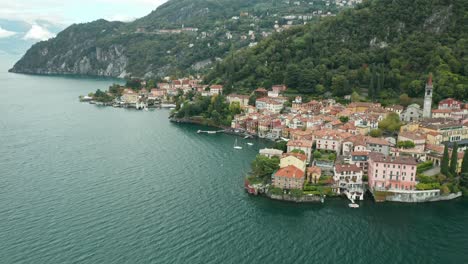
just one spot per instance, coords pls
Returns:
(87, 184)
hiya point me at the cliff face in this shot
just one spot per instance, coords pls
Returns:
(179, 37)
(83, 59)
(76, 51)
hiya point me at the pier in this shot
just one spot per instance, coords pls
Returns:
(210, 132)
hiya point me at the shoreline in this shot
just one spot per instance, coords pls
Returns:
(261, 191)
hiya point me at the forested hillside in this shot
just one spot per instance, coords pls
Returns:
(381, 48)
(179, 37)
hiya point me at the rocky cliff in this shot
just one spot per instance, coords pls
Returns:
(179, 37)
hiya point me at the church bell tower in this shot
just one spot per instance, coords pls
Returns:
(427, 111)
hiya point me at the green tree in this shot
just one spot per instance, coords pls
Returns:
(355, 97)
(235, 108)
(405, 100)
(252, 100)
(391, 123)
(405, 144)
(464, 165)
(298, 151)
(344, 119)
(375, 133)
(317, 154)
(281, 145)
(454, 160)
(444, 164)
(263, 166)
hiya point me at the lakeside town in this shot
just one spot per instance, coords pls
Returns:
(325, 147)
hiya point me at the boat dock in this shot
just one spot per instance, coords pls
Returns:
(210, 132)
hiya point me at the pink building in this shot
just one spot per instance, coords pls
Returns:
(391, 173)
(450, 103)
(331, 140)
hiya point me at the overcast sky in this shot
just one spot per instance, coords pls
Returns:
(65, 12)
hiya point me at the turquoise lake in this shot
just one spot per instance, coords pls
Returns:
(86, 184)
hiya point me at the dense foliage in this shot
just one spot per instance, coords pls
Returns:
(263, 167)
(424, 166)
(391, 123)
(148, 48)
(212, 108)
(444, 164)
(407, 144)
(381, 49)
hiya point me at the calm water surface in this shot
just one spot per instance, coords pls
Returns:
(85, 184)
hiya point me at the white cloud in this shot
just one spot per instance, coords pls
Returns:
(38, 33)
(119, 17)
(63, 13)
(5, 33)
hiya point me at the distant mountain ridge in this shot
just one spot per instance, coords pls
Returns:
(180, 36)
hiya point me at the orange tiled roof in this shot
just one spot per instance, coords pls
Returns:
(290, 171)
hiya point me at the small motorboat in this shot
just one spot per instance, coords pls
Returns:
(237, 146)
(250, 144)
(353, 205)
(199, 131)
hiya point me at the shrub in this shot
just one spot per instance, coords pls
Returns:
(426, 179)
(375, 133)
(276, 191)
(428, 186)
(296, 192)
(424, 166)
(445, 189)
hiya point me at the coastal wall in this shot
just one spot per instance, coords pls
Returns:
(419, 196)
(302, 199)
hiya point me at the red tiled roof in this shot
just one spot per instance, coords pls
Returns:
(290, 171)
(347, 167)
(360, 153)
(314, 169)
(379, 157)
(441, 111)
(300, 143)
(378, 141)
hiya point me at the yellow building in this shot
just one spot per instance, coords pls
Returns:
(296, 159)
(313, 174)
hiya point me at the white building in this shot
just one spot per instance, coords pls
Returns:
(348, 180)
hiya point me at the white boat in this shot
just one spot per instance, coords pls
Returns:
(237, 146)
(211, 132)
(284, 139)
(353, 205)
(199, 131)
(250, 144)
(168, 105)
(246, 137)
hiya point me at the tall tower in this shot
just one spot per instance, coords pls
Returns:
(428, 98)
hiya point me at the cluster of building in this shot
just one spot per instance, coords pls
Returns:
(164, 91)
(329, 127)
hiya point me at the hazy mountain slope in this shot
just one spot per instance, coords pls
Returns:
(202, 30)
